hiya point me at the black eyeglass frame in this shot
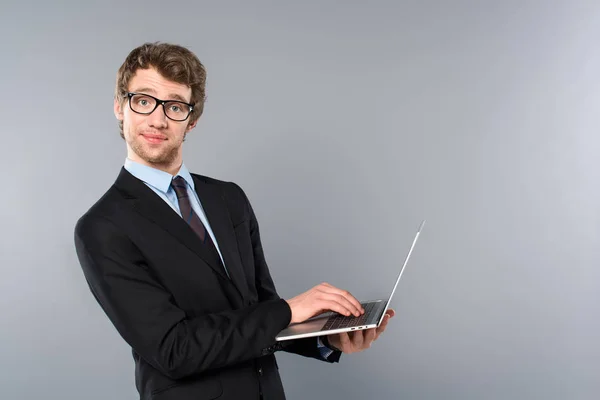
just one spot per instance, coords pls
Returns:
(159, 102)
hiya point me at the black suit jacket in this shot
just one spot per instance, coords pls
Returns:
(194, 332)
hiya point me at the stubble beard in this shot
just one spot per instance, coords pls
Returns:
(162, 156)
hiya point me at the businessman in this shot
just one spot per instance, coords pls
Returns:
(175, 259)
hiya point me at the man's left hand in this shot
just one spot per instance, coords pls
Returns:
(353, 342)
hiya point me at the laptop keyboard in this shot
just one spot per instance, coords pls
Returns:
(338, 321)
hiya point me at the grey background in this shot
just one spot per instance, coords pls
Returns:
(346, 123)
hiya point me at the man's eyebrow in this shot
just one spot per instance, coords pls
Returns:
(175, 96)
(172, 96)
(144, 89)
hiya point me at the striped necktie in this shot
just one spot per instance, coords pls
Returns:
(192, 219)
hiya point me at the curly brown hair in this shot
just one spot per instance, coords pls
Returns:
(173, 62)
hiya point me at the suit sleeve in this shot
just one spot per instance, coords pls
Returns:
(266, 291)
(145, 315)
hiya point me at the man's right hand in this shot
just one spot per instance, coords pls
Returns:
(322, 298)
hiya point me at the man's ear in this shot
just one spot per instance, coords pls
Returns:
(191, 126)
(118, 109)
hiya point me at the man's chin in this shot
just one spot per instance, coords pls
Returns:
(159, 159)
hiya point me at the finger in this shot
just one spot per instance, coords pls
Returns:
(386, 320)
(357, 339)
(339, 301)
(345, 341)
(327, 288)
(369, 337)
(384, 323)
(325, 302)
(378, 332)
(381, 328)
(331, 303)
(346, 295)
(391, 312)
(332, 289)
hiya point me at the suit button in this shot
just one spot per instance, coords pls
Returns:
(260, 372)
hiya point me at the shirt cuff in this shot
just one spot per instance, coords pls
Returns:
(324, 350)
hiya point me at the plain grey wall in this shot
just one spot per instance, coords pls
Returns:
(346, 123)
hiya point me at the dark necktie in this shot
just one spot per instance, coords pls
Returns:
(188, 214)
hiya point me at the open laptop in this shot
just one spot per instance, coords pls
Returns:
(332, 322)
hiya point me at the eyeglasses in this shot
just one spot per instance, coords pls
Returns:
(146, 104)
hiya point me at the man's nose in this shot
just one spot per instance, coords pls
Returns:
(158, 119)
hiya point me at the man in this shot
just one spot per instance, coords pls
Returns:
(175, 259)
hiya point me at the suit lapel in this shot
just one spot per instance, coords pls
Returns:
(220, 222)
(151, 206)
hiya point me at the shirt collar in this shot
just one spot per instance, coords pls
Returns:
(161, 180)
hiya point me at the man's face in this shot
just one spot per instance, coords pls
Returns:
(154, 139)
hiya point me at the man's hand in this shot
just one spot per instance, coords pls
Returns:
(322, 298)
(353, 342)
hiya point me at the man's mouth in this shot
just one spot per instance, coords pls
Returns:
(152, 138)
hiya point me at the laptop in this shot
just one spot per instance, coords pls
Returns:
(332, 322)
